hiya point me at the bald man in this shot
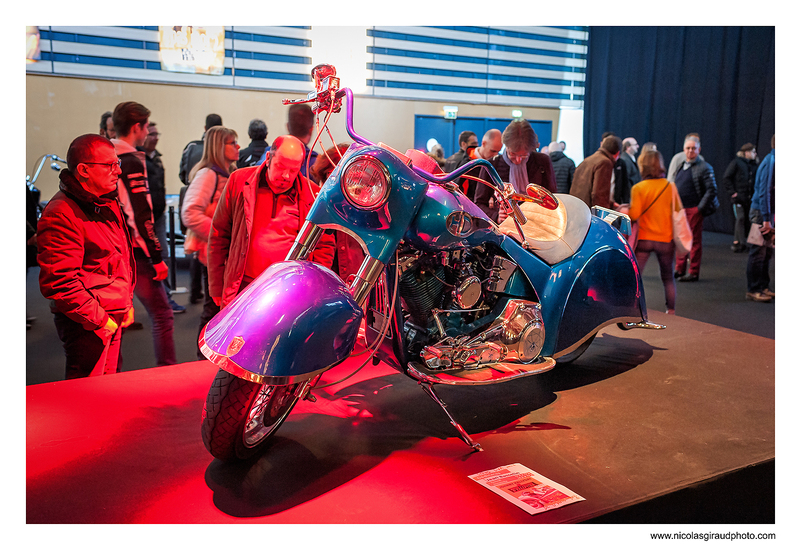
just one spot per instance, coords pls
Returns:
(257, 219)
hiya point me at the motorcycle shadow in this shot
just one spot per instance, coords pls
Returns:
(346, 433)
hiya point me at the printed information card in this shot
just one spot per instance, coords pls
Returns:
(529, 490)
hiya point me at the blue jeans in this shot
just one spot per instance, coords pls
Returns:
(154, 298)
(665, 253)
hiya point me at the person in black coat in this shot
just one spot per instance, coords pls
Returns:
(563, 167)
(249, 156)
(739, 181)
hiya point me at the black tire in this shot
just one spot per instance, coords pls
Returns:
(572, 356)
(227, 430)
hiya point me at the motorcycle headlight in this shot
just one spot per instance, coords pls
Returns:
(366, 183)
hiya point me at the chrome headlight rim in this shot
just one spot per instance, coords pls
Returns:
(386, 176)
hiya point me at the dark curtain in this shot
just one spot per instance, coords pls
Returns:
(660, 83)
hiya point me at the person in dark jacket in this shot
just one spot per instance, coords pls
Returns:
(519, 164)
(628, 157)
(86, 258)
(131, 121)
(563, 167)
(592, 180)
(697, 188)
(739, 180)
(466, 141)
(762, 213)
(193, 151)
(257, 130)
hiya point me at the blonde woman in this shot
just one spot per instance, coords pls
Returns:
(207, 179)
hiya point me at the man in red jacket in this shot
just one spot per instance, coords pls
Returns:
(86, 258)
(257, 219)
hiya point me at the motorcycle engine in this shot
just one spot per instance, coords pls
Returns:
(448, 298)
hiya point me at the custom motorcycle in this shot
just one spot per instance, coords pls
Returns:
(444, 294)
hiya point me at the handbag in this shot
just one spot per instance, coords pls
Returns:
(681, 232)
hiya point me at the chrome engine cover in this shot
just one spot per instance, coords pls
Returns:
(515, 336)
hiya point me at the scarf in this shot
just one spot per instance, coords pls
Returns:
(518, 173)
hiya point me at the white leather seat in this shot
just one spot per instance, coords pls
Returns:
(554, 235)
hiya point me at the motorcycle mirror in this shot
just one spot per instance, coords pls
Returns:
(55, 166)
(542, 196)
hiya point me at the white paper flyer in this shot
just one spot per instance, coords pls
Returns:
(529, 490)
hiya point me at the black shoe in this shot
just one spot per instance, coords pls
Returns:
(737, 248)
(679, 275)
(195, 299)
(689, 278)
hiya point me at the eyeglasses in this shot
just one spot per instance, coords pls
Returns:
(518, 157)
(231, 143)
(109, 165)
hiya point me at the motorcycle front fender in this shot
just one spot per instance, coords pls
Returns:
(296, 320)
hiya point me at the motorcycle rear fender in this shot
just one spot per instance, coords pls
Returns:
(597, 286)
(296, 320)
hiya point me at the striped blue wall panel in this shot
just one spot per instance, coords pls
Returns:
(529, 66)
(532, 66)
(262, 57)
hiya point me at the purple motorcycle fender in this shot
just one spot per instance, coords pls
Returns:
(296, 320)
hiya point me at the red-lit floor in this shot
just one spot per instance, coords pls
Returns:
(640, 415)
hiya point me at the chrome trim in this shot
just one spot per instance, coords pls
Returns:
(472, 377)
(229, 365)
(598, 328)
(643, 324)
(305, 242)
(367, 275)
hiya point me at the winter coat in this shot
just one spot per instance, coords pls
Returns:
(762, 207)
(592, 180)
(198, 208)
(563, 170)
(85, 254)
(229, 238)
(134, 197)
(740, 178)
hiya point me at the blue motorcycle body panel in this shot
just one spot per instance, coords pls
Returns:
(598, 284)
(295, 320)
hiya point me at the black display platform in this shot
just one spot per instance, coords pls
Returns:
(641, 419)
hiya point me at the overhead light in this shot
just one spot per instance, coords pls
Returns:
(450, 112)
(516, 113)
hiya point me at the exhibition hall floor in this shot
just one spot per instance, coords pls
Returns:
(663, 426)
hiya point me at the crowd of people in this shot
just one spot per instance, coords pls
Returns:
(101, 240)
(614, 178)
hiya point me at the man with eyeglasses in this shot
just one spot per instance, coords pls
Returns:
(131, 121)
(86, 259)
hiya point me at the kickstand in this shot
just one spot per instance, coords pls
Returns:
(461, 431)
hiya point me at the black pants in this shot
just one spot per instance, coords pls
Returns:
(209, 307)
(85, 350)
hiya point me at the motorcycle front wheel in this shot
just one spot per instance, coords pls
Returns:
(240, 416)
